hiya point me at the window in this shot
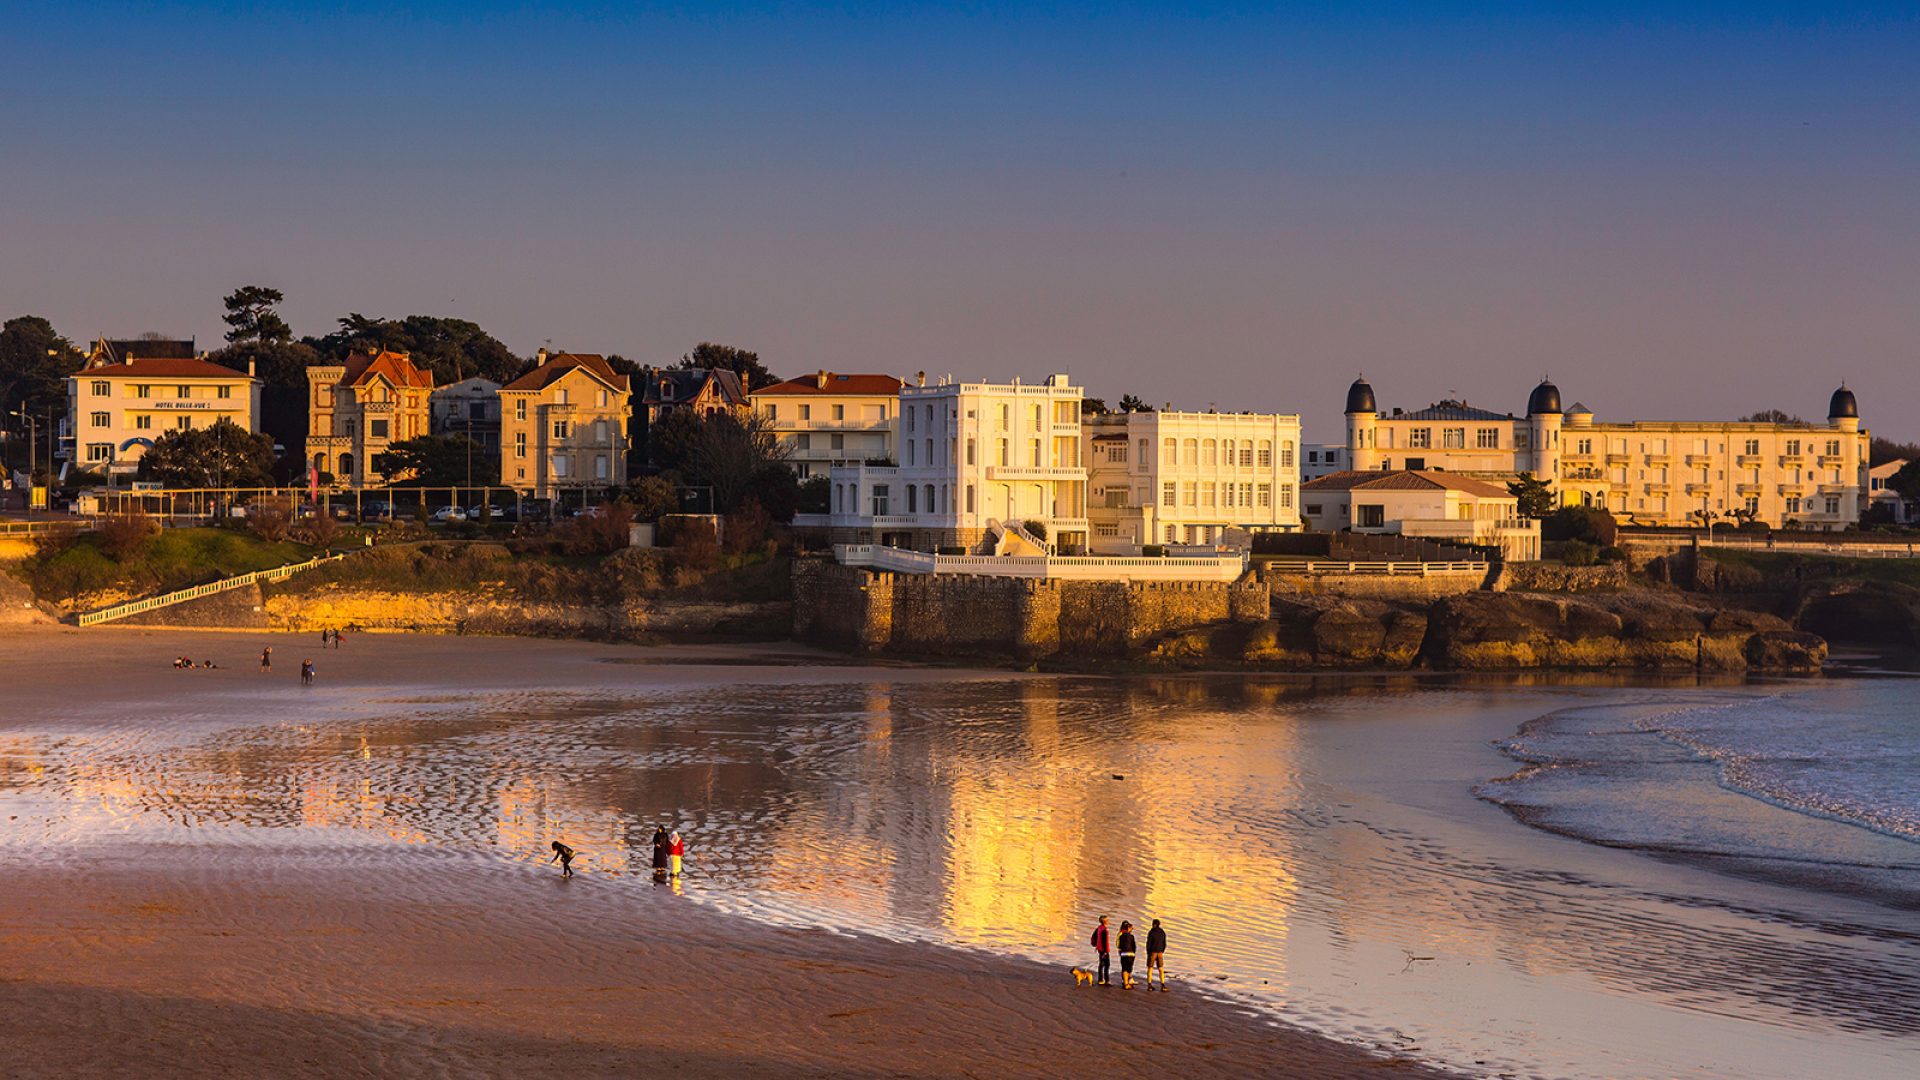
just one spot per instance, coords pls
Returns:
(101, 389)
(1246, 455)
(1144, 459)
(969, 498)
(223, 392)
(803, 442)
(562, 429)
(1166, 493)
(1488, 438)
(1226, 494)
(599, 466)
(1752, 447)
(1003, 452)
(519, 444)
(183, 391)
(1833, 447)
(142, 391)
(909, 448)
(913, 493)
(839, 412)
(1193, 452)
(1033, 451)
(376, 429)
(1286, 496)
(560, 465)
(806, 412)
(970, 450)
(879, 500)
(100, 451)
(839, 442)
(1169, 452)
(1208, 495)
(1117, 453)
(1264, 495)
(1313, 509)
(1246, 494)
(1190, 493)
(1793, 448)
(602, 399)
(143, 423)
(1286, 454)
(1580, 446)
(560, 396)
(926, 496)
(1313, 457)
(1420, 438)
(1793, 504)
(1266, 454)
(599, 431)
(909, 419)
(1833, 504)
(1453, 438)
(1210, 453)
(1753, 504)
(1370, 516)
(520, 409)
(1006, 413)
(184, 423)
(100, 419)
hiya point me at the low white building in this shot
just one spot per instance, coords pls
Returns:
(973, 460)
(1186, 478)
(1323, 459)
(1431, 505)
(1899, 509)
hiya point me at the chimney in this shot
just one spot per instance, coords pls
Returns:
(920, 379)
(540, 358)
(820, 379)
(250, 365)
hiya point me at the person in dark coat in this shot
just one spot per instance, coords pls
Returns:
(660, 851)
(1101, 951)
(1157, 955)
(1127, 949)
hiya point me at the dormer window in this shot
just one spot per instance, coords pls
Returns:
(666, 390)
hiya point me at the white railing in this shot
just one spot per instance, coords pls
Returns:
(1887, 550)
(43, 528)
(1226, 567)
(180, 596)
(1316, 567)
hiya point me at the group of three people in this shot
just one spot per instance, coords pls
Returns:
(669, 854)
(1156, 954)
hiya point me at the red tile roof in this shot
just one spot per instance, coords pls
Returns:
(163, 368)
(885, 385)
(543, 375)
(398, 368)
(1406, 480)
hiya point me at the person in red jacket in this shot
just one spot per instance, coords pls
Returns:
(1100, 948)
(676, 851)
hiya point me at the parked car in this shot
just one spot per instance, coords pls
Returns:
(449, 513)
(375, 510)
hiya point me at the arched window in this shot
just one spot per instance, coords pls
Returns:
(926, 496)
(1210, 453)
(1169, 453)
(1193, 452)
(1266, 454)
(1286, 454)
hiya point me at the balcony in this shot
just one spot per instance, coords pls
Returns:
(1791, 460)
(1659, 459)
(1749, 488)
(1699, 461)
(1831, 461)
(1749, 461)
(786, 427)
(1699, 489)
(1035, 472)
(1618, 459)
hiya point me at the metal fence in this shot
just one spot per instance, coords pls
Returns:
(135, 607)
(1078, 567)
(1316, 567)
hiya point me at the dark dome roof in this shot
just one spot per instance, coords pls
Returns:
(1360, 397)
(1843, 404)
(1544, 399)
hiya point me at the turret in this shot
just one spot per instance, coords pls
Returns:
(1843, 412)
(1362, 413)
(1543, 420)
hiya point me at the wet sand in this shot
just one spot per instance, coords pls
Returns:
(155, 955)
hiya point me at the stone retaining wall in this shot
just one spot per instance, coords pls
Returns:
(1555, 577)
(1376, 586)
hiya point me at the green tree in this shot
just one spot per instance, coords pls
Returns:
(438, 461)
(1771, 416)
(816, 495)
(707, 355)
(252, 318)
(1093, 406)
(1906, 482)
(224, 455)
(1130, 403)
(1536, 496)
(453, 349)
(34, 365)
(653, 497)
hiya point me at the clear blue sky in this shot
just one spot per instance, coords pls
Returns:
(1677, 210)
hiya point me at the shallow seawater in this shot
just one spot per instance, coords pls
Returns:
(1317, 855)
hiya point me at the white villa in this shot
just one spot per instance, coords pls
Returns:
(1431, 505)
(827, 419)
(1188, 477)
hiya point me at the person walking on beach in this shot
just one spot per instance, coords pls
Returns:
(565, 854)
(1100, 951)
(266, 658)
(1126, 955)
(676, 851)
(660, 845)
(1157, 955)
(306, 672)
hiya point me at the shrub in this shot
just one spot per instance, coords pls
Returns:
(602, 532)
(1589, 524)
(318, 531)
(747, 528)
(1038, 529)
(1613, 553)
(1578, 553)
(268, 522)
(1153, 551)
(125, 536)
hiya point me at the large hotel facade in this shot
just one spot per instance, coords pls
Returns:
(132, 392)
(1668, 473)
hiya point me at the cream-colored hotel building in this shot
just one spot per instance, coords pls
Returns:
(1806, 475)
(132, 392)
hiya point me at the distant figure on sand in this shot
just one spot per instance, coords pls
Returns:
(1126, 955)
(1157, 955)
(306, 672)
(565, 855)
(676, 850)
(660, 845)
(266, 658)
(1100, 949)
(336, 637)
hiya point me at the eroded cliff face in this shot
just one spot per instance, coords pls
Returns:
(1489, 631)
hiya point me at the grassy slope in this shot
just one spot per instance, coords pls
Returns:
(175, 559)
(1784, 566)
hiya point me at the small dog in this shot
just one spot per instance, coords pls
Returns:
(1082, 978)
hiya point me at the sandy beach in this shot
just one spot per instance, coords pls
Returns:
(160, 956)
(891, 869)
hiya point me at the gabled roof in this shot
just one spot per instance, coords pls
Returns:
(544, 375)
(829, 382)
(1452, 410)
(689, 383)
(163, 368)
(397, 367)
(1406, 480)
(118, 351)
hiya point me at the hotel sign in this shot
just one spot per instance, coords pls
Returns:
(178, 405)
